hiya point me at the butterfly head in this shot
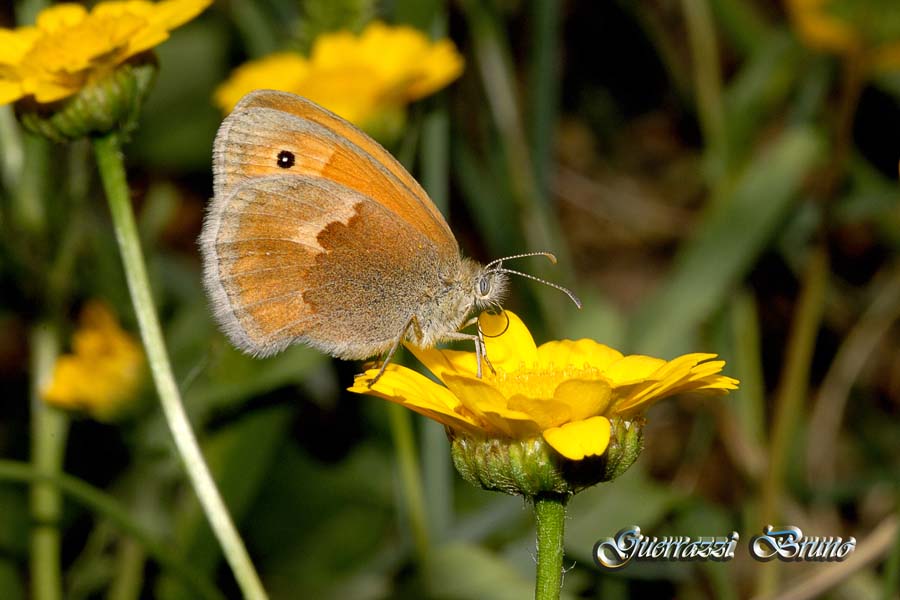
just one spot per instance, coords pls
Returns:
(489, 288)
(491, 283)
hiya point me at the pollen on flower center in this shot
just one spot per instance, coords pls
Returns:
(538, 381)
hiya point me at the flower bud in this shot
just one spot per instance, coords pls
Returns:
(109, 103)
(530, 467)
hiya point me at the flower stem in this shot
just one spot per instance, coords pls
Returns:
(790, 396)
(410, 478)
(120, 516)
(49, 430)
(550, 517)
(112, 173)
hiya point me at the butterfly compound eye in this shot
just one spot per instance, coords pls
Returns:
(285, 159)
(484, 286)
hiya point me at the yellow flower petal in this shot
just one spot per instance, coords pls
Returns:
(70, 47)
(508, 342)
(284, 71)
(580, 439)
(490, 407)
(632, 369)
(578, 354)
(683, 374)
(441, 65)
(442, 361)
(367, 78)
(15, 44)
(9, 92)
(61, 16)
(546, 412)
(585, 398)
(567, 391)
(415, 391)
(104, 370)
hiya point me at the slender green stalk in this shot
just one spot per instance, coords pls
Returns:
(434, 154)
(743, 24)
(410, 478)
(257, 33)
(27, 10)
(112, 173)
(29, 210)
(707, 77)
(539, 225)
(550, 522)
(792, 391)
(12, 156)
(129, 576)
(544, 89)
(49, 430)
(438, 473)
(103, 504)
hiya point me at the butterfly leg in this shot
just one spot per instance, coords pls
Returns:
(480, 341)
(414, 323)
(480, 349)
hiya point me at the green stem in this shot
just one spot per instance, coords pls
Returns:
(49, 430)
(410, 478)
(437, 473)
(28, 207)
(790, 395)
(743, 24)
(129, 577)
(12, 156)
(112, 173)
(544, 88)
(108, 507)
(707, 76)
(550, 522)
(540, 226)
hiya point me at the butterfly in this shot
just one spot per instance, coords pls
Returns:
(317, 235)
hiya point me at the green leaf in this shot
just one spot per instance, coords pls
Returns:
(604, 509)
(464, 571)
(239, 457)
(727, 243)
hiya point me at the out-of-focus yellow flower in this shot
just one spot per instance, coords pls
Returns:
(70, 47)
(103, 372)
(359, 77)
(868, 30)
(563, 391)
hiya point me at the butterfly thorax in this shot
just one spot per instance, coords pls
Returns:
(467, 287)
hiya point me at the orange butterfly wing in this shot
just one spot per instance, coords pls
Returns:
(324, 145)
(335, 251)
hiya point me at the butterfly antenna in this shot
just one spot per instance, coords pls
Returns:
(550, 256)
(565, 291)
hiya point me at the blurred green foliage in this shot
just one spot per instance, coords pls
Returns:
(684, 159)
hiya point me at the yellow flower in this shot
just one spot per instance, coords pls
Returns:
(104, 370)
(360, 77)
(69, 47)
(865, 29)
(566, 392)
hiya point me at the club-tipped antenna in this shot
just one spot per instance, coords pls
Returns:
(564, 290)
(550, 256)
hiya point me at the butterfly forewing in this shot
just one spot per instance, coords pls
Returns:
(266, 123)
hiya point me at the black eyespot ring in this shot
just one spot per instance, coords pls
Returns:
(285, 159)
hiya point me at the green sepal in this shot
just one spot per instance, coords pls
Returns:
(109, 103)
(531, 466)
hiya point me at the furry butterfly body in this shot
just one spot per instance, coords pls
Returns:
(317, 235)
